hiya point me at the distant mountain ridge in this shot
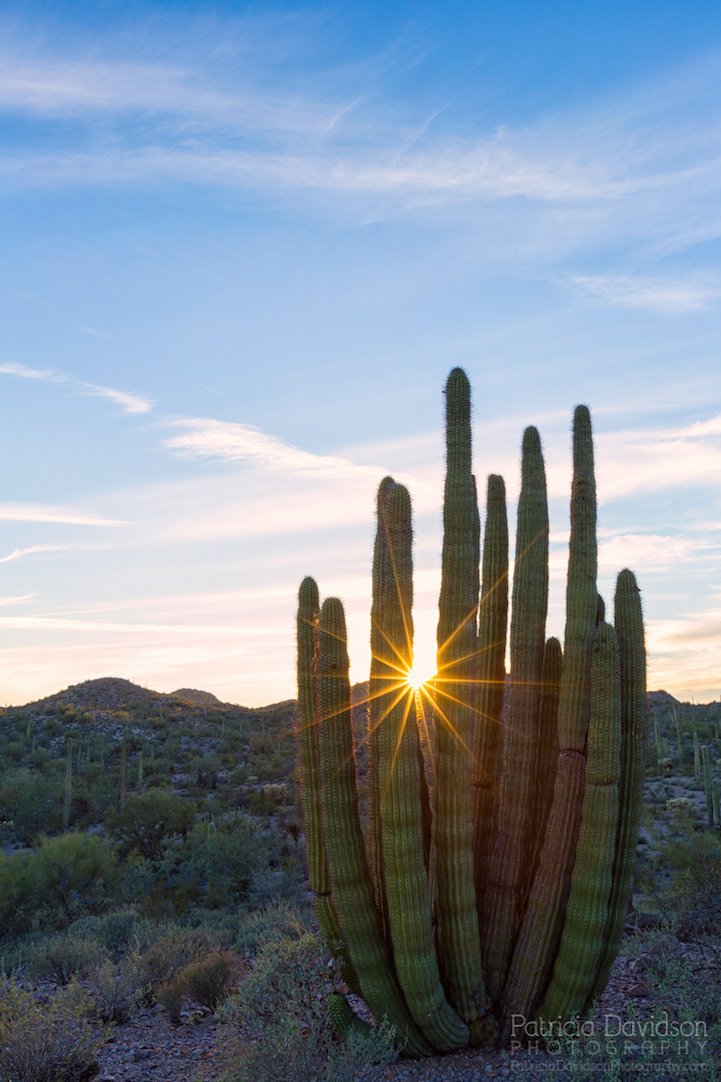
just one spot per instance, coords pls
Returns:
(116, 693)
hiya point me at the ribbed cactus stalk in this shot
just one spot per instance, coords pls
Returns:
(405, 875)
(586, 915)
(307, 722)
(491, 669)
(539, 933)
(628, 621)
(68, 786)
(456, 720)
(707, 783)
(515, 841)
(514, 830)
(352, 890)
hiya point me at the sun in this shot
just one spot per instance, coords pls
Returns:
(415, 678)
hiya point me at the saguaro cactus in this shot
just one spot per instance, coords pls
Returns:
(513, 901)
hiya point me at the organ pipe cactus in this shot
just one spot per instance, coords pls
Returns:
(490, 874)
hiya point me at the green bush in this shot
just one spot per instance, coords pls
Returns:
(59, 958)
(50, 1041)
(171, 995)
(175, 949)
(219, 864)
(277, 921)
(66, 877)
(32, 800)
(697, 887)
(209, 980)
(114, 930)
(114, 990)
(148, 818)
(278, 1026)
(72, 875)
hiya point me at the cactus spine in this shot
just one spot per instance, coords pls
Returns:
(530, 862)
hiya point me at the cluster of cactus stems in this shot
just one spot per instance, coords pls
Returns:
(491, 874)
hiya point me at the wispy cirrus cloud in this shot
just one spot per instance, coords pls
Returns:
(128, 401)
(329, 131)
(672, 295)
(55, 514)
(41, 550)
(231, 442)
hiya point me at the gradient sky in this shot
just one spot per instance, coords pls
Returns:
(242, 246)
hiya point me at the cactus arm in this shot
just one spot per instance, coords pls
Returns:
(514, 847)
(492, 625)
(352, 888)
(306, 733)
(547, 737)
(539, 933)
(582, 941)
(404, 864)
(628, 619)
(456, 911)
(382, 574)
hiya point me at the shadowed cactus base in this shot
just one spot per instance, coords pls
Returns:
(492, 874)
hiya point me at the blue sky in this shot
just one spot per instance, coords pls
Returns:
(242, 247)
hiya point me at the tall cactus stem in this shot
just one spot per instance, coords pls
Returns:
(492, 628)
(628, 620)
(515, 841)
(707, 783)
(405, 875)
(458, 933)
(540, 927)
(352, 888)
(586, 915)
(547, 737)
(306, 732)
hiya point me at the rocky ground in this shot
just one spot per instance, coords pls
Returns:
(150, 1047)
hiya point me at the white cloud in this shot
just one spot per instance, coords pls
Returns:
(32, 550)
(600, 167)
(38, 512)
(127, 401)
(46, 375)
(232, 442)
(667, 296)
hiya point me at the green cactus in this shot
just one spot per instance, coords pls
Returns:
(527, 865)
(68, 785)
(515, 837)
(492, 623)
(586, 916)
(708, 783)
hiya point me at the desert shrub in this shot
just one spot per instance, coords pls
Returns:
(61, 957)
(697, 887)
(32, 800)
(148, 818)
(277, 921)
(114, 990)
(50, 1041)
(171, 995)
(278, 1026)
(115, 930)
(209, 980)
(72, 875)
(175, 949)
(218, 863)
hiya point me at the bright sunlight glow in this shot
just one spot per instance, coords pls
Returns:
(415, 678)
